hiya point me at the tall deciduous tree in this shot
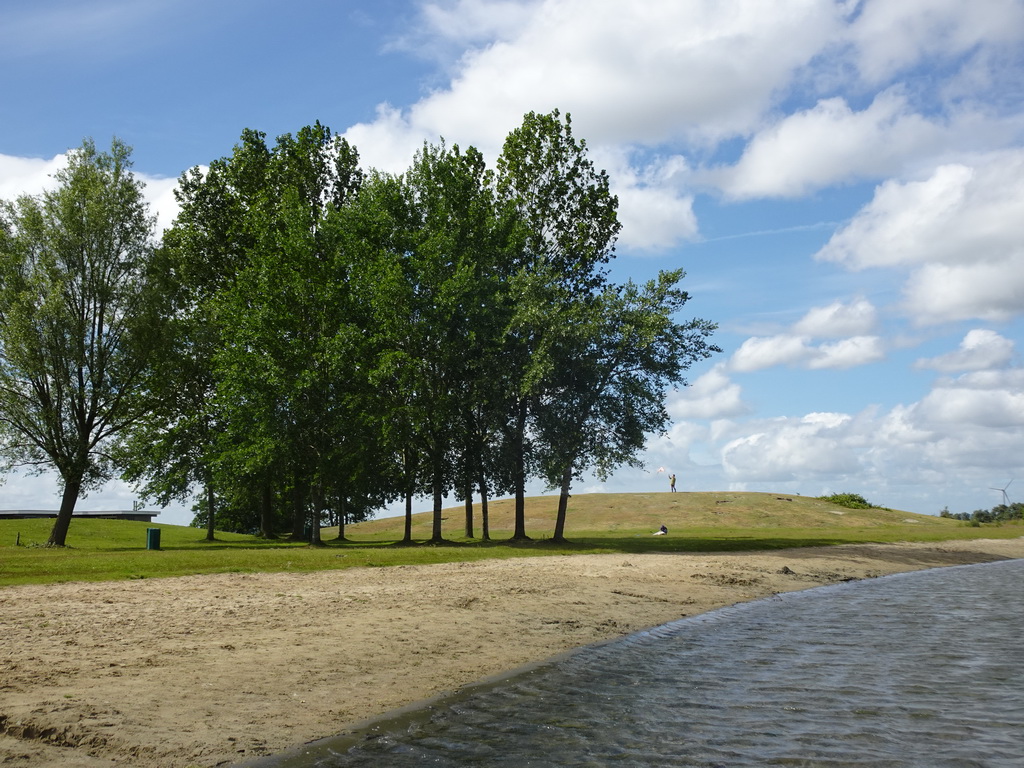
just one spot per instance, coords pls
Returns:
(567, 224)
(433, 294)
(257, 383)
(383, 224)
(78, 317)
(287, 370)
(173, 448)
(169, 451)
(620, 354)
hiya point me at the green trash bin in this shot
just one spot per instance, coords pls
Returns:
(152, 538)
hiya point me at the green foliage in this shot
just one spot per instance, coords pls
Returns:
(257, 383)
(1001, 513)
(848, 500)
(566, 217)
(433, 310)
(1006, 512)
(79, 319)
(326, 340)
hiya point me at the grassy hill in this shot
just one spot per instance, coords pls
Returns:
(697, 522)
(638, 514)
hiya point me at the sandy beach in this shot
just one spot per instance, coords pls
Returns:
(218, 670)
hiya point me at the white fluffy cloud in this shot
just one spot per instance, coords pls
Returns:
(837, 319)
(833, 142)
(891, 36)
(960, 231)
(466, 23)
(758, 353)
(631, 74)
(159, 193)
(830, 143)
(389, 142)
(849, 324)
(986, 401)
(960, 214)
(761, 352)
(848, 353)
(815, 444)
(990, 290)
(980, 349)
(27, 175)
(654, 206)
(712, 396)
(648, 73)
(966, 429)
(645, 71)
(654, 217)
(30, 176)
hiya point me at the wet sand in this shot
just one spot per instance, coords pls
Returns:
(217, 670)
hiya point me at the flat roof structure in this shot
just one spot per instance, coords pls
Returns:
(139, 515)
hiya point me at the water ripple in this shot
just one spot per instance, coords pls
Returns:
(919, 670)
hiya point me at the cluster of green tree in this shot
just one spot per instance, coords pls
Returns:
(1001, 513)
(311, 341)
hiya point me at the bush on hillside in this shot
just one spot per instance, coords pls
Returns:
(848, 500)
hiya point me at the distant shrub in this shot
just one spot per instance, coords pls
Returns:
(848, 500)
(1002, 513)
(982, 516)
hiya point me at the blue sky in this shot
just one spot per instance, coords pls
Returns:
(842, 180)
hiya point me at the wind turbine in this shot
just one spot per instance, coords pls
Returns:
(1006, 499)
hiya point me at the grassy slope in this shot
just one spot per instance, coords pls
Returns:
(629, 514)
(109, 549)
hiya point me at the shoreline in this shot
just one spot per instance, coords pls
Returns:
(222, 669)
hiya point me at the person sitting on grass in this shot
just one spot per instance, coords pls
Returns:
(661, 531)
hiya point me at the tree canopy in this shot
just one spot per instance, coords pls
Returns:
(321, 340)
(78, 320)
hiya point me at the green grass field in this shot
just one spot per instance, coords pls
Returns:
(697, 522)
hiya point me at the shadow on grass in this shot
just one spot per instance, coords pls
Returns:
(205, 546)
(696, 541)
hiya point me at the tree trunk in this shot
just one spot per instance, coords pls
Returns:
(469, 510)
(436, 535)
(410, 484)
(211, 510)
(300, 493)
(314, 516)
(520, 475)
(59, 534)
(341, 519)
(485, 531)
(267, 512)
(407, 538)
(563, 504)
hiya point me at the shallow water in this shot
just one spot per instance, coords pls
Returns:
(922, 669)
